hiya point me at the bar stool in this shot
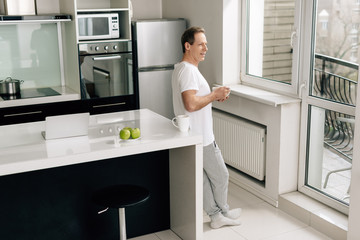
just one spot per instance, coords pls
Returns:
(120, 196)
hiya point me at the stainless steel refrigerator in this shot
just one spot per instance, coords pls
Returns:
(156, 48)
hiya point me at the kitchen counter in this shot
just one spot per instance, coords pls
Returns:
(23, 149)
(65, 94)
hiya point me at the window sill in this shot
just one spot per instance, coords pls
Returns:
(315, 214)
(262, 96)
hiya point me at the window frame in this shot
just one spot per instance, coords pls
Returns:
(292, 89)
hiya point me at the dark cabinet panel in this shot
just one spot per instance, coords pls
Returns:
(22, 114)
(57, 203)
(67, 107)
(38, 112)
(111, 104)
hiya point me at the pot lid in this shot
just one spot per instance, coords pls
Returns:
(10, 80)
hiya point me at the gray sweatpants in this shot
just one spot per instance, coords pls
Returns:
(216, 180)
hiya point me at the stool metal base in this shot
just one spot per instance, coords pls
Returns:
(122, 225)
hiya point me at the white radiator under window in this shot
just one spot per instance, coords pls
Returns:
(242, 143)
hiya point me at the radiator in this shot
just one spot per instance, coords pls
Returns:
(242, 143)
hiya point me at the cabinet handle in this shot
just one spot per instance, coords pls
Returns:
(109, 105)
(22, 114)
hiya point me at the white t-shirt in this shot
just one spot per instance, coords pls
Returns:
(187, 76)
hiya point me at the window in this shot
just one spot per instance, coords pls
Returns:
(271, 45)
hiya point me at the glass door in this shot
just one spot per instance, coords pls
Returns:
(329, 103)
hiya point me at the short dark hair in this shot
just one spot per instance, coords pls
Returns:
(189, 36)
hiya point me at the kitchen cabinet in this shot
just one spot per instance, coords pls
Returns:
(21, 114)
(59, 206)
(38, 112)
(67, 81)
(111, 104)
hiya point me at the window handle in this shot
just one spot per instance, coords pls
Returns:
(301, 88)
(292, 39)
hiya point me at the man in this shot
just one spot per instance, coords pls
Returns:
(192, 96)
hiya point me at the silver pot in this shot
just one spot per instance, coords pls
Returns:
(10, 86)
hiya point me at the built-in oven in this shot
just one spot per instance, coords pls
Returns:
(106, 75)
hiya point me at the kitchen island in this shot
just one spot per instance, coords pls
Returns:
(27, 162)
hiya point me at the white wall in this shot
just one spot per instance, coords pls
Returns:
(144, 9)
(221, 22)
(206, 14)
(47, 6)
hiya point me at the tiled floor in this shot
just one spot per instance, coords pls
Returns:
(259, 221)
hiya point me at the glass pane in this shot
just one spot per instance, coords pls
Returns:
(269, 32)
(330, 149)
(108, 77)
(30, 52)
(336, 46)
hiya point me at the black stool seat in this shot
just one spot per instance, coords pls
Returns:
(121, 196)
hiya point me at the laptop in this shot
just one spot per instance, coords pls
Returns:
(64, 126)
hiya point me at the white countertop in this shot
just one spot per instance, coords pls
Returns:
(22, 147)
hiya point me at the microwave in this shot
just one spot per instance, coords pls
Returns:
(94, 26)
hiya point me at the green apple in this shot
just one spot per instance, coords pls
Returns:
(125, 133)
(135, 133)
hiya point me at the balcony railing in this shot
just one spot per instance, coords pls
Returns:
(332, 81)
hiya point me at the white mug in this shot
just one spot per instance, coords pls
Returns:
(182, 122)
(214, 88)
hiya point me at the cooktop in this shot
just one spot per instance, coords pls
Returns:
(31, 93)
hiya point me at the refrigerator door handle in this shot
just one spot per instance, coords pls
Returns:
(157, 68)
(109, 57)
